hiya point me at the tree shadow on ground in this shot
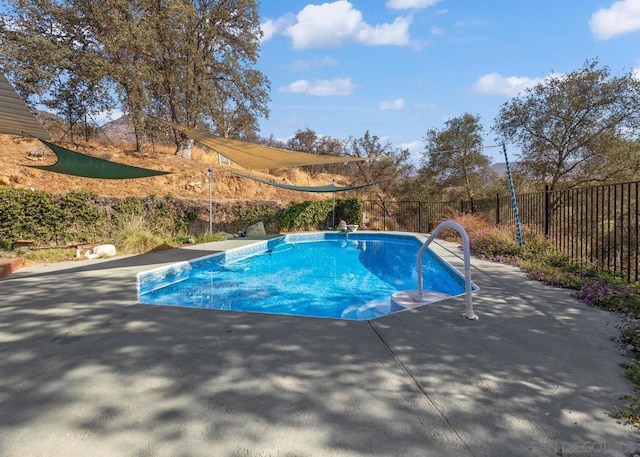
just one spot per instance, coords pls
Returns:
(88, 371)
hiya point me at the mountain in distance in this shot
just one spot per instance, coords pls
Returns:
(120, 129)
(500, 168)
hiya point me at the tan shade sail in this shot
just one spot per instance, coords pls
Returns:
(257, 156)
(328, 188)
(15, 116)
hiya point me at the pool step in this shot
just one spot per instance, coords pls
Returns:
(405, 299)
(400, 301)
(369, 310)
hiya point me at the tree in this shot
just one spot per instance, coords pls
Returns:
(414, 188)
(386, 167)
(273, 142)
(76, 99)
(202, 57)
(453, 156)
(303, 141)
(331, 146)
(50, 63)
(235, 117)
(570, 128)
(120, 37)
(190, 61)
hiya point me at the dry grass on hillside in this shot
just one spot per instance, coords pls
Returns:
(188, 178)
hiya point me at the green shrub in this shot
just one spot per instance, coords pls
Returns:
(612, 294)
(47, 218)
(317, 215)
(81, 216)
(496, 243)
(166, 214)
(349, 210)
(208, 238)
(308, 215)
(245, 216)
(135, 234)
(50, 255)
(551, 275)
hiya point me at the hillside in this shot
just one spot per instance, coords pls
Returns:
(188, 178)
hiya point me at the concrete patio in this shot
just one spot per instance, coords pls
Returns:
(86, 371)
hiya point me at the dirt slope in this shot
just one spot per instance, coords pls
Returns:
(188, 178)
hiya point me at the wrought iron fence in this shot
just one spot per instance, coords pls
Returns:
(406, 216)
(599, 224)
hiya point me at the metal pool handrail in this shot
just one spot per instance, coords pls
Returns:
(469, 313)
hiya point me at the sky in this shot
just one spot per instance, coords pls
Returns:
(397, 68)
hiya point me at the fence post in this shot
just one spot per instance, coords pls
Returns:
(497, 209)
(384, 216)
(419, 217)
(461, 206)
(547, 210)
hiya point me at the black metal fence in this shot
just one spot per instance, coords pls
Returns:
(599, 224)
(406, 216)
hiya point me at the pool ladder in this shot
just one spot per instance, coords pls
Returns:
(419, 295)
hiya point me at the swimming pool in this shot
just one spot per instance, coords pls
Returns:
(331, 275)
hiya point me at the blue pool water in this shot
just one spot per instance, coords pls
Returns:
(321, 275)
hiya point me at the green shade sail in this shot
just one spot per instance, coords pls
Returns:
(77, 164)
(17, 119)
(327, 188)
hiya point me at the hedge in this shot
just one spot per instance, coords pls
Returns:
(82, 216)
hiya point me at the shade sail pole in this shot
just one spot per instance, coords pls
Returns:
(333, 224)
(210, 171)
(514, 201)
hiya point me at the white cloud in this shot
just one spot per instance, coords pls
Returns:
(413, 146)
(620, 18)
(435, 30)
(395, 34)
(636, 73)
(409, 4)
(396, 104)
(271, 27)
(495, 83)
(336, 23)
(322, 87)
(314, 62)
